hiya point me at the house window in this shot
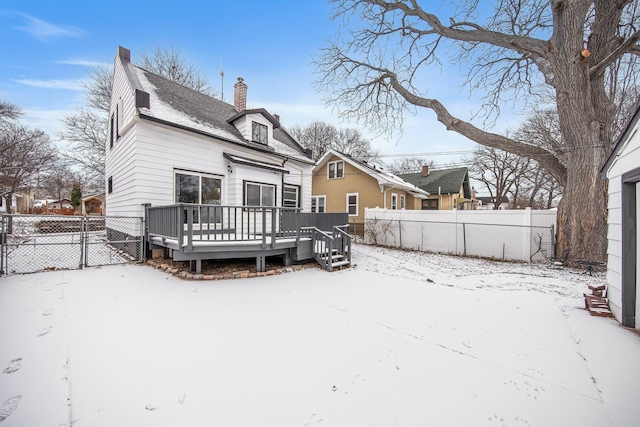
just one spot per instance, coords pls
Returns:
(430, 204)
(352, 204)
(394, 201)
(200, 189)
(111, 128)
(335, 170)
(110, 185)
(256, 194)
(291, 196)
(259, 133)
(318, 204)
(402, 201)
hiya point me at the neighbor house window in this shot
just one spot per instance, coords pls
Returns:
(335, 169)
(259, 133)
(352, 204)
(402, 201)
(110, 185)
(318, 204)
(429, 204)
(394, 201)
(256, 194)
(291, 196)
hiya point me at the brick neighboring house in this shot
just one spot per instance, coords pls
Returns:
(344, 184)
(447, 188)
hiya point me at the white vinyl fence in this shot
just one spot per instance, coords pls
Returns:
(519, 235)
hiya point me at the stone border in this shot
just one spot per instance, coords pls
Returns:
(244, 274)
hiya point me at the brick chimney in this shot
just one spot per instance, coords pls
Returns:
(425, 170)
(240, 95)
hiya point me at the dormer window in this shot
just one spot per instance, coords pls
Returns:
(259, 133)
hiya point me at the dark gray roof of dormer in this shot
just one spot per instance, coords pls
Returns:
(186, 108)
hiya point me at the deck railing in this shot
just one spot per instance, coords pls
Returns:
(187, 223)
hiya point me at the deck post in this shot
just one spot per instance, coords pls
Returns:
(260, 264)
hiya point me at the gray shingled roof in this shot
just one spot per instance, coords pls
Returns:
(188, 108)
(447, 181)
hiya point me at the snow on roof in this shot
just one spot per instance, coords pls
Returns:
(164, 111)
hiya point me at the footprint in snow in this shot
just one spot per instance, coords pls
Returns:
(45, 331)
(48, 312)
(13, 366)
(8, 407)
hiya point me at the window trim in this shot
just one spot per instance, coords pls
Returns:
(110, 185)
(394, 201)
(316, 199)
(357, 203)
(261, 184)
(259, 125)
(403, 202)
(329, 164)
(200, 175)
(298, 191)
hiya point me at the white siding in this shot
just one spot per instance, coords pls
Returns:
(145, 174)
(627, 159)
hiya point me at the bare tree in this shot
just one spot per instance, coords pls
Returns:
(58, 182)
(350, 141)
(9, 111)
(86, 132)
(24, 152)
(582, 52)
(321, 136)
(170, 64)
(405, 165)
(500, 171)
(86, 129)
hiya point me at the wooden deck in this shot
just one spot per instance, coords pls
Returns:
(247, 232)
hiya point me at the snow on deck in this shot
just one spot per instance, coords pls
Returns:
(401, 339)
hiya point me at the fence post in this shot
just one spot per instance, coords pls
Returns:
(553, 241)
(464, 238)
(83, 242)
(400, 231)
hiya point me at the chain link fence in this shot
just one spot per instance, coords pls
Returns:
(32, 243)
(506, 242)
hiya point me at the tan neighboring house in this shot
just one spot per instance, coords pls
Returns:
(343, 184)
(93, 205)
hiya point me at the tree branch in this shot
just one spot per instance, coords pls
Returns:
(544, 157)
(628, 46)
(529, 45)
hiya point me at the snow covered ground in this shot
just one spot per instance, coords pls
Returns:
(403, 338)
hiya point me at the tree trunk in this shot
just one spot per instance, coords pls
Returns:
(582, 213)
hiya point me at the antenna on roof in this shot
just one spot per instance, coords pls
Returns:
(222, 82)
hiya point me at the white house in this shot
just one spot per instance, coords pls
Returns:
(205, 170)
(169, 144)
(622, 169)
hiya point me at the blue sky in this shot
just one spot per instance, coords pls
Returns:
(49, 47)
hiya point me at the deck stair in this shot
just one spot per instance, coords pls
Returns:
(596, 302)
(332, 249)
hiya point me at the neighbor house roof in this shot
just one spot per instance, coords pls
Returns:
(182, 107)
(487, 200)
(383, 177)
(443, 181)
